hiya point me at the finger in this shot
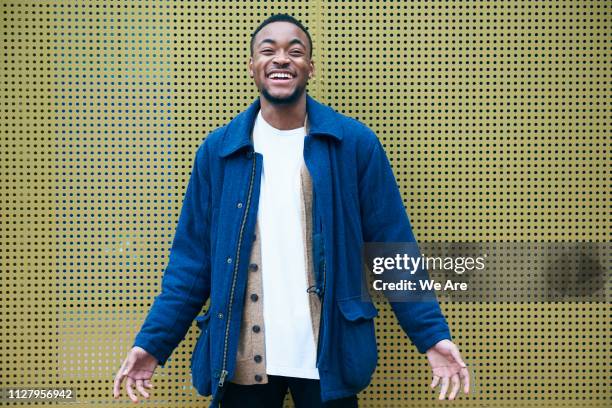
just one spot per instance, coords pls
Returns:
(117, 385)
(444, 388)
(457, 356)
(118, 380)
(149, 384)
(455, 389)
(128, 387)
(465, 377)
(140, 388)
(435, 381)
(121, 373)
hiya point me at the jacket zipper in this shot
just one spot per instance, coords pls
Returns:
(321, 317)
(224, 372)
(322, 292)
(319, 291)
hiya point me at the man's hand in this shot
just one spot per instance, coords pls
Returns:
(446, 364)
(138, 367)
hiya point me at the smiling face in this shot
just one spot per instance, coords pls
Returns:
(280, 64)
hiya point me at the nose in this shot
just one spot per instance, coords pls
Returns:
(281, 58)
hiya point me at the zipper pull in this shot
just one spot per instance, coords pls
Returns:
(222, 377)
(316, 290)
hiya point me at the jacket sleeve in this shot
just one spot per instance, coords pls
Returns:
(185, 285)
(384, 219)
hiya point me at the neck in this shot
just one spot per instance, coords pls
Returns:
(284, 117)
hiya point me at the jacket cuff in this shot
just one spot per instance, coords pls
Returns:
(426, 341)
(153, 350)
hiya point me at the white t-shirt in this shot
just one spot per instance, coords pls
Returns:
(289, 340)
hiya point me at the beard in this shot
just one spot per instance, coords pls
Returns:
(283, 101)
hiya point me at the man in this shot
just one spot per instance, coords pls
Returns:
(279, 203)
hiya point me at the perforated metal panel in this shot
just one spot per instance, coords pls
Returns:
(495, 116)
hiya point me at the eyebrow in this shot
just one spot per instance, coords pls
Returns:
(271, 41)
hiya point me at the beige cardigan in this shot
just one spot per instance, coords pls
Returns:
(251, 357)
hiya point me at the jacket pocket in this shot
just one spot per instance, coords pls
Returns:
(200, 359)
(358, 349)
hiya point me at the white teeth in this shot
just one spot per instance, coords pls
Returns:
(280, 75)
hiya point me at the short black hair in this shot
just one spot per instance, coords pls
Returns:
(281, 17)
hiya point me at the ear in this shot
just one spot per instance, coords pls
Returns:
(312, 69)
(250, 67)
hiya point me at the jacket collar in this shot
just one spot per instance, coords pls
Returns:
(322, 120)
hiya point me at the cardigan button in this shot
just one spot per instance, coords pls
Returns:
(253, 267)
(256, 329)
(257, 358)
(258, 378)
(254, 297)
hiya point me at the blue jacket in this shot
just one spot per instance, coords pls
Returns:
(355, 200)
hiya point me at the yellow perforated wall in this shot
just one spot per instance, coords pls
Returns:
(495, 115)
